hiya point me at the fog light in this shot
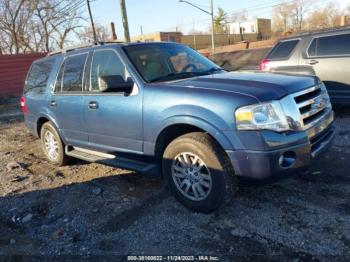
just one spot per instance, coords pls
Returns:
(287, 159)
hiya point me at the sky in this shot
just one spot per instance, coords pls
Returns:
(166, 15)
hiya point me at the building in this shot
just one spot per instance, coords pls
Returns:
(258, 29)
(159, 37)
(259, 26)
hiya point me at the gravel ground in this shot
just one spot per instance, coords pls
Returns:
(92, 210)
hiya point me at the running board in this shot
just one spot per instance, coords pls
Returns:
(112, 160)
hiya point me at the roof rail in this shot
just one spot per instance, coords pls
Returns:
(76, 47)
(320, 31)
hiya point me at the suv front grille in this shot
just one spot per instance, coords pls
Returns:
(313, 103)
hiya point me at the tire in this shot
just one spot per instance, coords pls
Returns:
(48, 132)
(211, 169)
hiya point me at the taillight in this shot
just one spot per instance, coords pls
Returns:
(23, 104)
(264, 64)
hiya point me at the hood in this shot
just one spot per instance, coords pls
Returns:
(263, 86)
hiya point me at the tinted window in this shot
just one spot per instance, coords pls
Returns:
(58, 85)
(312, 48)
(71, 74)
(38, 76)
(283, 49)
(333, 45)
(105, 63)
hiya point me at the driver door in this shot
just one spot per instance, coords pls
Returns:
(113, 119)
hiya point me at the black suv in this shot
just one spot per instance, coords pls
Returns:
(325, 54)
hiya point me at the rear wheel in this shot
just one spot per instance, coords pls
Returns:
(52, 144)
(198, 172)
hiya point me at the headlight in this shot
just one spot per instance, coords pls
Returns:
(262, 116)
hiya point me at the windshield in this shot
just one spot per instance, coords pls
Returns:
(164, 62)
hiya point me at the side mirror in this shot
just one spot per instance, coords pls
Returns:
(115, 83)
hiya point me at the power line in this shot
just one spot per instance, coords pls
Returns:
(67, 6)
(261, 8)
(72, 6)
(256, 6)
(243, 10)
(76, 6)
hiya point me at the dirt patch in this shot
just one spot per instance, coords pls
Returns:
(89, 209)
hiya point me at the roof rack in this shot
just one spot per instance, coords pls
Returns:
(76, 47)
(320, 31)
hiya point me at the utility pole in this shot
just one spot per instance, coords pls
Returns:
(211, 13)
(141, 30)
(194, 36)
(125, 20)
(92, 21)
(212, 24)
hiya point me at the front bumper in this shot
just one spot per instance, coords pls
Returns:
(262, 164)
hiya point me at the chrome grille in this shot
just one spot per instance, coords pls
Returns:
(313, 104)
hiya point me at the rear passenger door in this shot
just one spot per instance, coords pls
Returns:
(39, 78)
(113, 120)
(67, 100)
(330, 58)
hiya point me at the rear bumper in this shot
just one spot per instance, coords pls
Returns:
(265, 164)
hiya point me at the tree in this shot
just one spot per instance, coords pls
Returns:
(326, 17)
(37, 25)
(298, 10)
(239, 16)
(14, 20)
(53, 25)
(281, 17)
(290, 15)
(220, 21)
(86, 35)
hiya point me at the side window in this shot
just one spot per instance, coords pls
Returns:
(283, 49)
(105, 63)
(38, 76)
(70, 77)
(312, 48)
(58, 85)
(333, 45)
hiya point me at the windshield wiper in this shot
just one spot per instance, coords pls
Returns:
(177, 75)
(187, 74)
(212, 70)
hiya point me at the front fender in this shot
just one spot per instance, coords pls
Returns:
(219, 136)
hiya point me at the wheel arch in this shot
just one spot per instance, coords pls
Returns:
(41, 120)
(179, 126)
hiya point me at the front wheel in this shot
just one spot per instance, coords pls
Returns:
(198, 172)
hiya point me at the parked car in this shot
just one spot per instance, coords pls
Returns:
(324, 54)
(164, 108)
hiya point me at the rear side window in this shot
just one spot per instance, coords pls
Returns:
(38, 76)
(283, 50)
(330, 46)
(70, 77)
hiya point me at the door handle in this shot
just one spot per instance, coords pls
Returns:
(93, 105)
(53, 103)
(312, 62)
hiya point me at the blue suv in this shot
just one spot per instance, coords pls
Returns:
(164, 108)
